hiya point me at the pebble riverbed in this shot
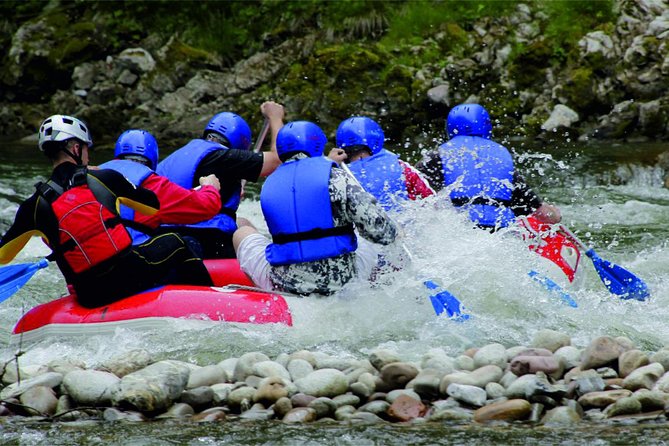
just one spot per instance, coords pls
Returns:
(549, 383)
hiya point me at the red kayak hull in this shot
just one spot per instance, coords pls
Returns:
(225, 304)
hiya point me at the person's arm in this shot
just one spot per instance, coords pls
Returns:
(417, 185)
(137, 198)
(524, 201)
(431, 168)
(362, 209)
(179, 205)
(24, 227)
(274, 113)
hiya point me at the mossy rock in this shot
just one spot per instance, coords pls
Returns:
(528, 67)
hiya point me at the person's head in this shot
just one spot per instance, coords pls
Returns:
(360, 137)
(300, 137)
(469, 120)
(137, 145)
(229, 130)
(62, 137)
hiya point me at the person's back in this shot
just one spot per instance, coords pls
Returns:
(312, 208)
(224, 152)
(75, 213)
(479, 174)
(136, 157)
(380, 172)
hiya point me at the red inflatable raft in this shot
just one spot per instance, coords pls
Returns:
(224, 303)
(559, 252)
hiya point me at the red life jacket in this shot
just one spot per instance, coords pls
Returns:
(88, 231)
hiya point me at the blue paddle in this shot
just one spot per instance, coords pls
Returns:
(553, 287)
(617, 279)
(13, 277)
(442, 301)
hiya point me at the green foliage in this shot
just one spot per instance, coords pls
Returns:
(569, 20)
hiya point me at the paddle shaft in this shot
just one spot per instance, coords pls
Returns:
(259, 141)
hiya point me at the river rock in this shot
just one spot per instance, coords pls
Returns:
(333, 362)
(228, 365)
(179, 411)
(300, 415)
(90, 387)
(644, 377)
(305, 355)
(464, 363)
(213, 414)
(244, 366)
(394, 394)
(265, 369)
(114, 414)
(221, 392)
(299, 368)
(344, 413)
(472, 395)
(437, 359)
(380, 358)
(301, 400)
(65, 366)
(561, 415)
(207, 376)
(49, 379)
(198, 397)
(661, 356)
(623, 406)
(241, 396)
(406, 408)
(586, 384)
(453, 414)
(570, 356)
(282, 407)
(376, 407)
(600, 352)
(152, 388)
(41, 399)
(323, 382)
(522, 365)
(397, 374)
(604, 398)
(270, 390)
(491, 354)
(510, 410)
(494, 390)
(651, 399)
(126, 363)
(323, 406)
(347, 399)
(360, 390)
(561, 116)
(479, 377)
(630, 361)
(426, 383)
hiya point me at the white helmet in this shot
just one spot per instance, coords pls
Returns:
(62, 128)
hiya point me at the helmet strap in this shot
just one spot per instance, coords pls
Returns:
(72, 155)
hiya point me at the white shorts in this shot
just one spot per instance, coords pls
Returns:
(252, 260)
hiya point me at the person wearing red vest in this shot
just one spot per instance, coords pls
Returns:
(76, 214)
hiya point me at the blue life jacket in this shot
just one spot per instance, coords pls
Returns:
(295, 201)
(382, 176)
(136, 173)
(180, 168)
(480, 174)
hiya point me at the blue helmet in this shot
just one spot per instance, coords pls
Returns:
(300, 136)
(138, 143)
(233, 128)
(360, 131)
(469, 120)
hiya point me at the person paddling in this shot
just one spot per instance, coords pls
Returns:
(75, 213)
(380, 172)
(224, 152)
(136, 157)
(479, 174)
(312, 209)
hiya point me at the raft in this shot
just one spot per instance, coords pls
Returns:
(559, 254)
(233, 299)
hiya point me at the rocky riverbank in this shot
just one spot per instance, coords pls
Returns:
(610, 83)
(549, 382)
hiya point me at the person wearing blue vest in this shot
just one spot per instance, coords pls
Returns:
(313, 211)
(380, 172)
(479, 174)
(136, 157)
(223, 151)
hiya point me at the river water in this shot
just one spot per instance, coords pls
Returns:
(612, 196)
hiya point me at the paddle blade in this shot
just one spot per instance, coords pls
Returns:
(554, 288)
(618, 280)
(13, 277)
(445, 301)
